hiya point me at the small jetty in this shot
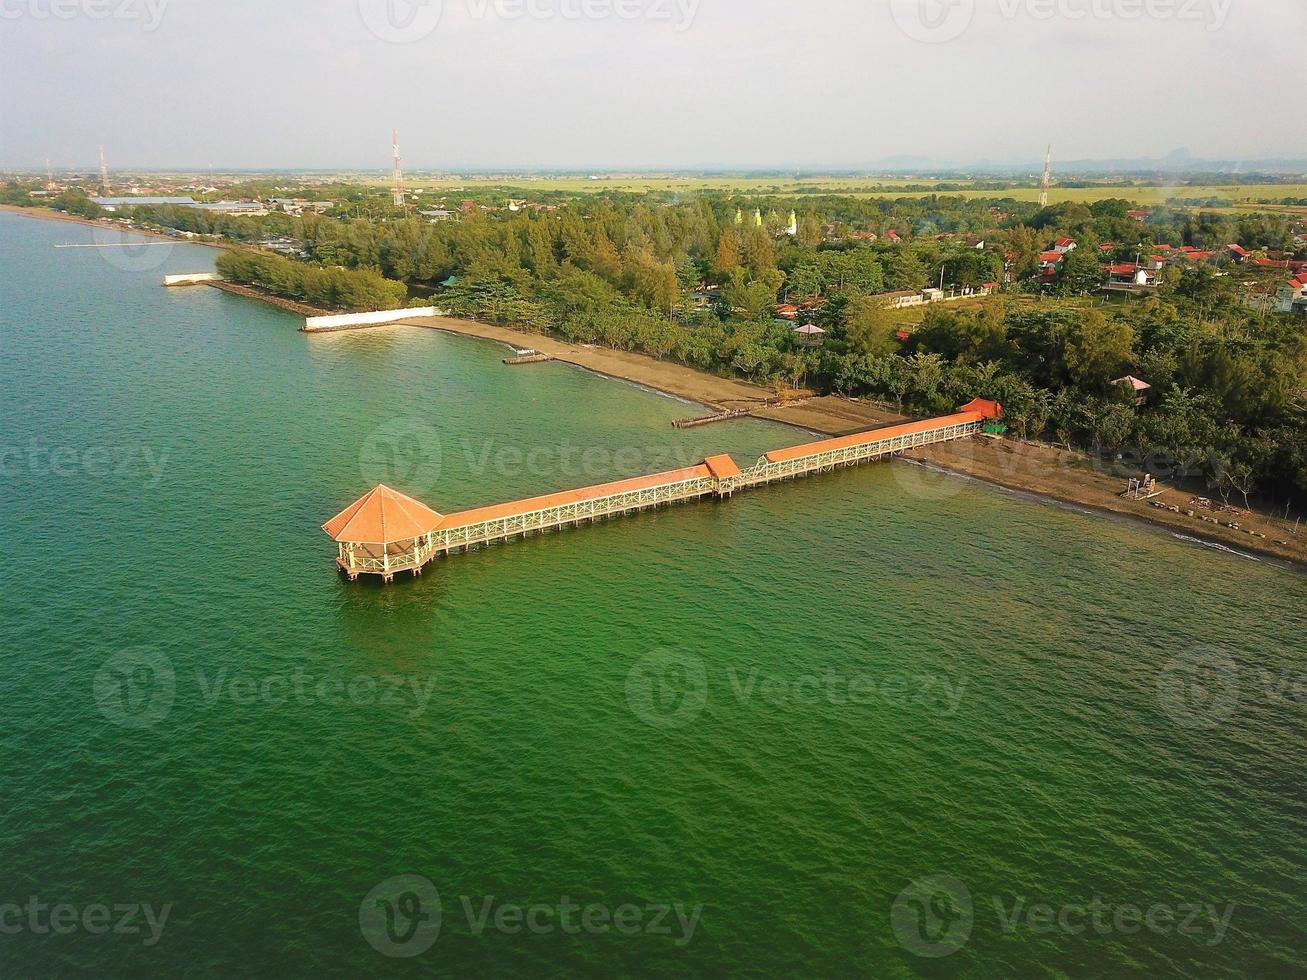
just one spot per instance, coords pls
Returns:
(735, 413)
(528, 357)
(112, 244)
(385, 532)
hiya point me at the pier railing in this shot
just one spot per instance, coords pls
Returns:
(767, 471)
(452, 539)
(717, 476)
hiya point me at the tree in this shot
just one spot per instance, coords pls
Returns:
(728, 254)
(1079, 273)
(1098, 350)
(871, 326)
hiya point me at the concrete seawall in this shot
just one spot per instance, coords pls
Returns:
(358, 321)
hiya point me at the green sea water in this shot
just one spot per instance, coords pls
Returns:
(875, 723)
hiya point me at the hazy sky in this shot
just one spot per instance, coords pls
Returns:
(644, 83)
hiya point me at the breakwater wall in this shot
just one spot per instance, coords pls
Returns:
(357, 321)
(192, 279)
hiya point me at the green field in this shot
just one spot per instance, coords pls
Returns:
(1238, 194)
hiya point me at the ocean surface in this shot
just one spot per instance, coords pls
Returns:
(881, 722)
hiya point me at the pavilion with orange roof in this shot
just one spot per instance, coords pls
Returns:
(383, 532)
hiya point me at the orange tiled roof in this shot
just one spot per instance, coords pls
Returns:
(518, 507)
(722, 466)
(382, 516)
(876, 435)
(987, 408)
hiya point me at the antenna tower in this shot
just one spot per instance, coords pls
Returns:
(399, 170)
(104, 174)
(1048, 172)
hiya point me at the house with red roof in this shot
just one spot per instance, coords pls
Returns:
(1129, 274)
(1065, 245)
(893, 236)
(1293, 298)
(1140, 216)
(1238, 253)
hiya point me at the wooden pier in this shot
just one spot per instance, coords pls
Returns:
(385, 532)
(735, 413)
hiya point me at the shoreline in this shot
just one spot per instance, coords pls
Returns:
(1077, 480)
(823, 415)
(1064, 476)
(49, 214)
(1059, 475)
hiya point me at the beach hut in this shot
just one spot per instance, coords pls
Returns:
(383, 532)
(1140, 388)
(810, 335)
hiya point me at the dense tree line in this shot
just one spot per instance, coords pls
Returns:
(356, 290)
(695, 278)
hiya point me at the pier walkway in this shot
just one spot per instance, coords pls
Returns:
(385, 532)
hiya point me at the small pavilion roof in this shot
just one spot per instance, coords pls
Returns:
(722, 466)
(989, 409)
(1133, 382)
(382, 516)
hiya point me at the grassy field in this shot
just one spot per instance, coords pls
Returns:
(1241, 195)
(911, 316)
